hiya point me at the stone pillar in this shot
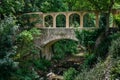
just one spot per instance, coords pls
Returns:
(97, 19)
(47, 52)
(81, 21)
(67, 21)
(54, 21)
(43, 21)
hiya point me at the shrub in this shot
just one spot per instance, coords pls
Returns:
(97, 73)
(28, 21)
(42, 64)
(115, 48)
(25, 72)
(8, 30)
(87, 38)
(100, 71)
(103, 48)
(115, 70)
(114, 51)
(117, 20)
(70, 74)
(90, 60)
(25, 42)
(64, 47)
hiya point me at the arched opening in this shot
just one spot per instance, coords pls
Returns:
(102, 20)
(74, 20)
(64, 47)
(61, 20)
(89, 20)
(48, 21)
(60, 47)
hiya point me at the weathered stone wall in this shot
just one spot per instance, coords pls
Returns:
(53, 34)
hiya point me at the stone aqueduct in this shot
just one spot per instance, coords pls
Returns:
(50, 35)
(68, 14)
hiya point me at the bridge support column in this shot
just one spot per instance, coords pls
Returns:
(81, 21)
(47, 52)
(54, 21)
(67, 21)
(43, 21)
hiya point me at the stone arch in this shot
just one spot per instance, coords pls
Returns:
(78, 13)
(74, 19)
(60, 20)
(60, 13)
(48, 19)
(89, 19)
(53, 40)
(47, 48)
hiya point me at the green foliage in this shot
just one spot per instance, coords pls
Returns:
(31, 6)
(90, 59)
(101, 55)
(114, 36)
(103, 48)
(117, 20)
(11, 7)
(8, 30)
(28, 69)
(74, 5)
(114, 51)
(89, 20)
(97, 73)
(70, 74)
(117, 5)
(74, 20)
(87, 38)
(115, 70)
(35, 32)
(8, 7)
(102, 5)
(53, 6)
(25, 42)
(115, 48)
(60, 21)
(7, 33)
(6, 68)
(64, 47)
(25, 37)
(42, 64)
(28, 21)
(9, 37)
(25, 72)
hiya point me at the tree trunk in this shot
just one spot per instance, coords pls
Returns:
(105, 34)
(99, 40)
(107, 24)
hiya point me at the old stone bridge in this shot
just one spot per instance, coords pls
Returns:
(50, 35)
